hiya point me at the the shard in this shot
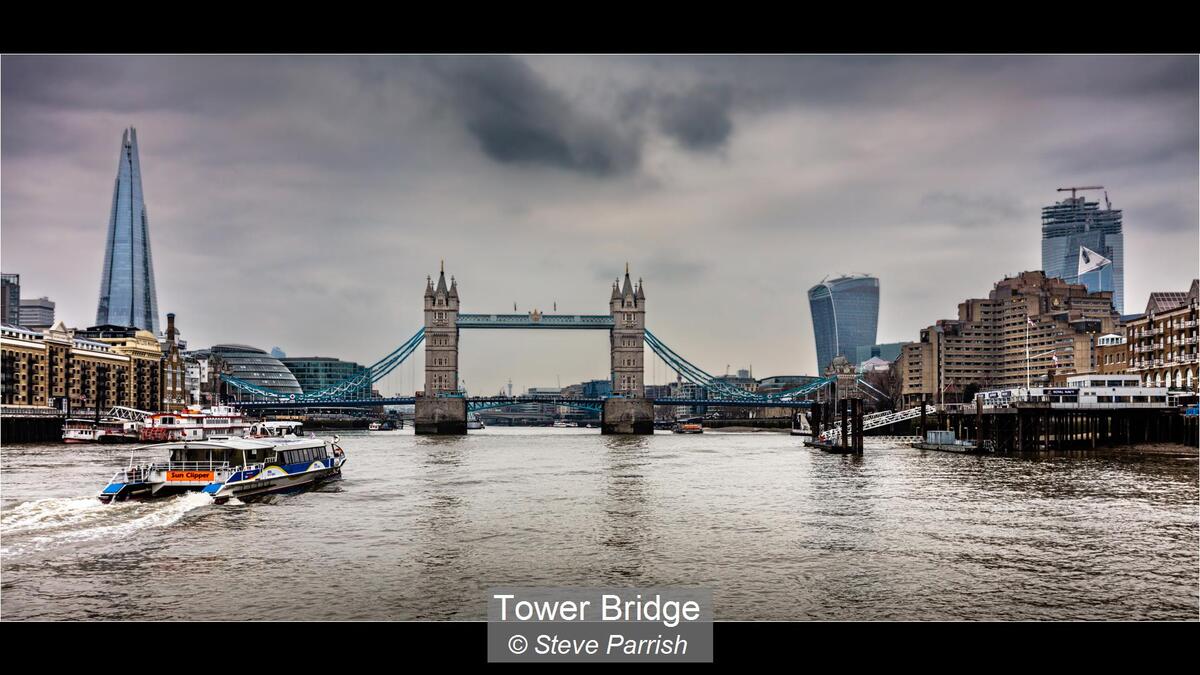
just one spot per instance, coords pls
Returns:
(127, 296)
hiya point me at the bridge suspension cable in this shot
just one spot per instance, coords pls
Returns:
(369, 376)
(696, 375)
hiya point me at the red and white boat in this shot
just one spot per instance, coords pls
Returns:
(194, 424)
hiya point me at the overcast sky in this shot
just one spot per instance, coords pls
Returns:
(301, 201)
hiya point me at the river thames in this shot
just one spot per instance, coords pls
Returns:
(421, 527)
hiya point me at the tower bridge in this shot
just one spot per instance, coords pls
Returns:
(441, 407)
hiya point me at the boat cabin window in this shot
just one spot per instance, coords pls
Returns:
(203, 454)
(302, 455)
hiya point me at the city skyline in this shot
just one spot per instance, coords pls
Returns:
(300, 201)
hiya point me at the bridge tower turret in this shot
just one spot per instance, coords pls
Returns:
(441, 335)
(628, 307)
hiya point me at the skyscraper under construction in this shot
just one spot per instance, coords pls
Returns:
(1084, 244)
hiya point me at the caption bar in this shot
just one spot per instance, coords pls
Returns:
(564, 625)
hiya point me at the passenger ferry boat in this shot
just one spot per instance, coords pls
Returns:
(473, 421)
(245, 468)
(691, 426)
(194, 424)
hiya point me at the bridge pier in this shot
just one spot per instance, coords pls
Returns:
(440, 416)
(627, 416)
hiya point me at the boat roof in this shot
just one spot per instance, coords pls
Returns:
(225, 443)
(234, 444)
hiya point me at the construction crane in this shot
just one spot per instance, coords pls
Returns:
(1086, 187)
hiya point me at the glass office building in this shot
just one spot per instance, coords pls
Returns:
(127, 296)
(321, 372)
(10, 299)
(248, 364)
(1074, 223)
(845, 316)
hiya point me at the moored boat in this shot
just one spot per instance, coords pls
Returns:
(110, 430)
(194, 424)
(79, 431)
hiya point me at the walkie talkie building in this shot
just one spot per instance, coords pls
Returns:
(845, 316)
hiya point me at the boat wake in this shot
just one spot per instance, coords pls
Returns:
(50, 523)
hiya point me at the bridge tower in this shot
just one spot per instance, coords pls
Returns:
(628, 411)
(434, 414)
(628, 307)
(441, 335)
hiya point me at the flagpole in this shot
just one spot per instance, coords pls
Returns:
(1027, 320)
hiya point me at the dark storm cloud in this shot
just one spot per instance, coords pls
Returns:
(518, 118)
(699, 119)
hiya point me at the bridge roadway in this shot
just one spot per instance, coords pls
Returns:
(478, 402)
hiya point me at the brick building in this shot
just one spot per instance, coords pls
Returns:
(1161, 344)
(1029, 328)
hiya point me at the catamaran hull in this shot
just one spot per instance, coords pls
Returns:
(263, 487)
(122, 492)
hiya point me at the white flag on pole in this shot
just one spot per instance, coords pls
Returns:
(1090, 261)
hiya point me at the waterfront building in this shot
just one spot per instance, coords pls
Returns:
(36, 313)
(888, 352)
(10, 299)
(1074, 232)
(174, 383)
(146, 361)
(781, 383)
(195, 373)
(874, 365)
(544, 410)
(777, 384)
(1111, 353)
(655, 391)
(61, 369)
(1161, 345)
(127, 295)
(597, 388)
(1028, 328)
(681, 388)
(249, 364)
(742, 380)
(845, 316)
(315, 373)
